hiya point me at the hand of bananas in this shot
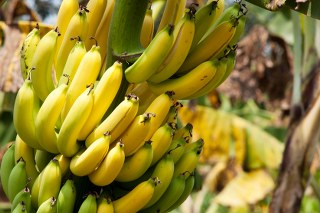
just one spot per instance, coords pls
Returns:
(74, 150)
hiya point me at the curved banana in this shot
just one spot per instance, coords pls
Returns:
(161, 141)
(41, 76)
(77, 26)
(194, 145)
(7, 164)
(164, 171)
(104, 205)
(172, 117)
(64, 163)
(26, 107)
(74, 58)
(172, 9)
(176, 148)
(88, 159)
(42, 158)
(96, 10)
(50, 182)
(89, 204)
(22, 150)
(133, 137)
(184, 132)
(137, 164)
(231, 62)
(109, 167)
(82, 78)
(18, 179)
(179, 50)
(20, 208)
(146, 34)
(27, 51)
(47, 117)
(170, 196)
(48, 206)
(137, 198)
(159, 107)
(66, 197)
(109, 84)
(73, 123)
(187, 84)
(23, 196)
(152, 57)
(118, 121)
(35, 192)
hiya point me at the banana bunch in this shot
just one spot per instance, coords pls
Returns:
(191, 53)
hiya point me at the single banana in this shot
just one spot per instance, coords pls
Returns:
(41, 76)
(50, 182)
(74, 58)
(133, 137)
(146, 34)
(26, 107)
(18, 179)
(170, 13)
(109, 84)
(66, 197)
(23, 196)
(137, 198)
(159, 107)
(77, 26)
(22, 150)
(7, 164)
(184, 132)
(176, 148)
(164, 171)
(48, 116)
(35, 192)
(96, 10)
(88, 159)
(170, 196)
(105, 205)
(64, 163)
(231, 62)
(188, 83)
(82, 78)
(73, 123)
(137, 164)
(42, 158)
(27, 51)
(194, 145)
(89, 204)
(48, 206)
(172, 116)
(118, 121)
(109, 167)
(161, 141)
(20, 208)
(152, 57)
(179, 50)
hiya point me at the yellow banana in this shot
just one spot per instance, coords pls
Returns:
(66, 197)
(89, 204)
(7, 164)
(104, 205)
(137, 198)
(133, 137)
(22, 150)
(23, 196)
(48, 116)
(164, 171)
(18, 179)
(170, 13)
(109, 167)
(152, 57)
(88, 159)
(73, 123)
(137, 164)
(161, 141)
(184, 132)
(77, 26)
(179, 50)
(50, 182)
(26, 107)
(159, 107)
(176, 148)
(64, 164)
(118, 121)
(109, 84)
(27, 51)
(172, 117)
(146, 34)
(74, 58)
(48, 206)
(82, 78)
(187, 84)
(96, 10)
(194, 145)
(231, 62)
(157, 11)
(41, 76)
(35, 192)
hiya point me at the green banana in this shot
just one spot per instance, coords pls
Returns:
(18, 179)
(89, 204)
(42, 158)
(66, 197)
(23, 196)
(176, 148)
(20, 208)
(7, 164)
(48, 206)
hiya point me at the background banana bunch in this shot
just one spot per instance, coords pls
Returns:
(78, 148)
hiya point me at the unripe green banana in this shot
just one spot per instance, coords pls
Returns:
(42, 158)
(48, 206)
(18, 179)
(176, 148)
(67, 197)
(89, 204)
(35, 192)
(23, 196)
(7, 164)
(20, 208)
(184, 132)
